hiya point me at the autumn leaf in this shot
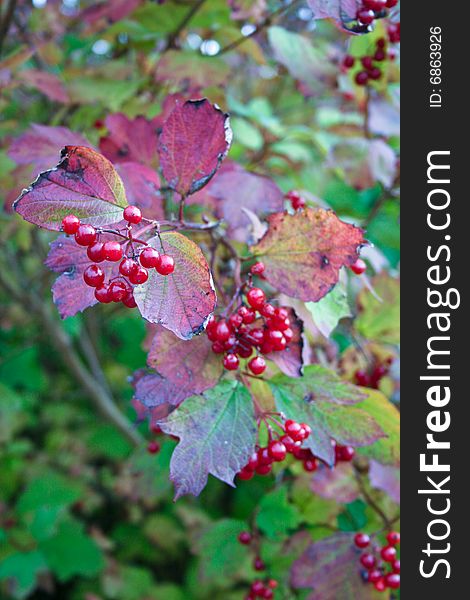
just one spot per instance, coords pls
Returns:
(217, 432)
(327, 404)
(195, 139)
(303, 253)
(182, 301)
(130, 140)
(84, 183)
(46, 83)
(290, 360)
(379, 313)
(142, 185)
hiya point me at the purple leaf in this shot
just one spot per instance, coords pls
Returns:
(339, 10)
(40, 144)
(142, 185)
(235, 189)
(191, 365)
(330, 568)
(130, 140)
(84, 183)
(184, 300)
(217, 432)
(154, 391)
(290, 360)
(47, 83)
(385, 478)
(335, 484)
(109, 11)
(195, 139)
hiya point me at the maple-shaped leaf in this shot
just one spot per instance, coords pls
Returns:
(290, 360)
(234, 191)
(38, 146)
(327, 404)
(330, 568)
(70, 293)
(84, 183)
(190, 365)
(304, 252)
(182, 301)
(195, 139)
(130, 140)
(217, 432)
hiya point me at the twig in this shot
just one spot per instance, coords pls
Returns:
(173, 37)
(370, 501)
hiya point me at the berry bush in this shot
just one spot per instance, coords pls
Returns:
(206, 405)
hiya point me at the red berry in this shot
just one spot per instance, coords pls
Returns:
(256, 297)
(102, 294)
(149, 257)
(367, 62)
(391, 3)
(70, 224)
(375, 73)
(85, 235)
(361, 540)
(264, 469)
(396, 566)
(288, 443)
(95, 252)
(118, 290)
(362, 78)
(218, 348)
(392, 580)
(138, 275)
(245, 474)
(348, 61)
(376, 5)
(264, 458)
(93, 276)
(222, 331)
(393, 538)
(126, 266)
(247, 314)
(288, 334)
(362, 378)
(379, 55)
(388, 553)
(380, 585)
(366, 17)
(277, 450)
(235, 320)
(381, 43)
(307, 430)
(231, 362)
(292, 428)
(368, 560)
(253, 462)
(374, 575)
(276, 339)
(153, 447)
(132, 214)
(258, 564)
(257, 365)
(112, 251)
(257, 268)
(257, 588)
(166, 265)
(346, 453)
(257, 336)
(244, 538)
(310, 465)
(272, 583)
(302, 453)
(129, 301)
(244, 351)
(267, 594)
(267, 310)
(358, 267)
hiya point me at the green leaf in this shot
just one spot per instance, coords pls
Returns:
(48, 490)
(217, 432)
(379, 318)
(328, 311)
(23, 568)
(276, 516)
(354, 516)
(71, 552)
(326, 403)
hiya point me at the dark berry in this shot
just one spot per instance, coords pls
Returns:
(310, 465)
(93, 276)
(346, 453)
(149, 257)
(388, 553)
(166, 265)
(267, 594)
(361, 540)
(132, 214)
(70, 224)
(244, 351)
(129, 301)
(231, 362)
(245, 474)
(258, 564)
(257, 365)
(126, 266)
(138, 275)
(112, 251)
(375, 5)
(95, 252)
(381, 43)
(391, 3)
(358, 267)
(257, 268)
(264, 469)
(362, 78)
(368, 560)
(396, 566)
(257, 588)
(153, 447)
(379, 55)
(393, 538)
(118, 290)
(244, 538)
(375, 73)
(362, 378)
(288, 442)
(374, 575)
(277, 450)
(348, 61)
(392, 580)
(256, 297)
(85, 235)
(367, 62)
(102, 294)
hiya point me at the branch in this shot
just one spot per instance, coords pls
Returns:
(173, 37)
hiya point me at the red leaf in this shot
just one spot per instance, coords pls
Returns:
(182, 301)
(303, 253)
(195, 139)
(330, 568)
(47, 83)
(235, 189)
(109, 11)
(130, 140)
(39, 145)
(70, 293)
(83, 183)
(190, 365)
(142, 185)
(290, 360)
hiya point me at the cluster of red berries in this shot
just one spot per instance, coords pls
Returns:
(133, 268)
(380, 566)
(258, 589)
(393, 32)
(370, 10)
(258, 326)
(370, 63)
(296, 199)
(372, 377)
